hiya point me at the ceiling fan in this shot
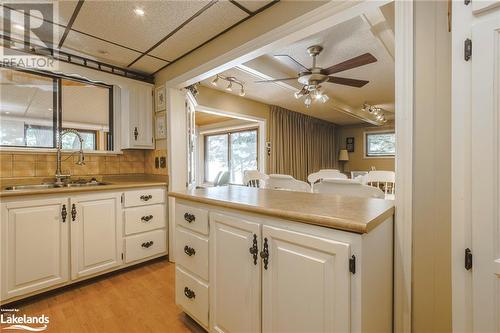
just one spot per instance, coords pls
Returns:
(312, 78)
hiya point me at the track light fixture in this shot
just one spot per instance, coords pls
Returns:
(230, 80)
(376, 112)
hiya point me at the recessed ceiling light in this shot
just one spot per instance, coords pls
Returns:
(19, 27)
(139, 11)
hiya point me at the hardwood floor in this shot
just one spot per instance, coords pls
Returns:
(137, 300)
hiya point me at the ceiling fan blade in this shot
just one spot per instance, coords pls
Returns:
(292, 61)
(358, 61)
(347, 82)
(277, 80)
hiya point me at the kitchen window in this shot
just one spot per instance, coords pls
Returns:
(35, 105)
(380, 144)
(234, 152)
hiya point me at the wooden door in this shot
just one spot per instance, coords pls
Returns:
(34, 245)
(485, 196)
(306, 284)
(235, 274)
(96, 242)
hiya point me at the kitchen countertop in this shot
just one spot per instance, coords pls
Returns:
(114, 183)
(359, 215)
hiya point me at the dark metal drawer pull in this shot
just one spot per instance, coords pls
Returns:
(64, 213)
(189, 217)
(73, 212)
(147, 244)
(254, 250)
(264, 254)
(189, 293)
(189, 251)
(146, 197)
(147, 218)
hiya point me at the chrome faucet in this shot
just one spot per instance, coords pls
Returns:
(81, 157)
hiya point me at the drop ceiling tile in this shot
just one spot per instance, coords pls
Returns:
(254, 5)
(116, 21)
(99, 50)
(148, 64)
(214, 20)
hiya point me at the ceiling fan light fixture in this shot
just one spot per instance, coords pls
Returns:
(308, 101)
(324, 98)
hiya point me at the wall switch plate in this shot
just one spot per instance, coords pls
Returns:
(157, 162)
(163, 162)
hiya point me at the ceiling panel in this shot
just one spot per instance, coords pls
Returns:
(116, 21)
(213, 21)
(148, 64)
(98, 49)
(254, 5)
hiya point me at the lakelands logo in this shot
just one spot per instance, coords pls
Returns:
(28, 34)
(23, 322)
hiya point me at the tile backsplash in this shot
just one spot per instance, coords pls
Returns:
(14, 164)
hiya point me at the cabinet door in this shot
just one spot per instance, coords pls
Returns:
(141, 117)
(306, 285)
(96, 242)
(234, 276)
(34, 246)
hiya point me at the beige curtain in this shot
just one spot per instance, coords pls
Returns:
(300, 144)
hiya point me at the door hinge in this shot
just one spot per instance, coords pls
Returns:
(352, 264)
(468, 259)
(121, 198)
(122, 256)
(467, 2)
(467, 49)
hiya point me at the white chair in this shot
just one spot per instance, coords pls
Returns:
(348, 187)
(286, 182)
(254, 178)
(325, 173)
(222, 179)
(384, 180)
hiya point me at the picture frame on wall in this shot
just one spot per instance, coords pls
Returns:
(160, 126)
(349, 144)
(160, 99)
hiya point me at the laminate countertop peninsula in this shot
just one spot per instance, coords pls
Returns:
(359, 215)
(112, 183)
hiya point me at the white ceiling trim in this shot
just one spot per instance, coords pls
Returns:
(381, 30)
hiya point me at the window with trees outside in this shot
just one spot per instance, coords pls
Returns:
(234, 152)
(380, 144)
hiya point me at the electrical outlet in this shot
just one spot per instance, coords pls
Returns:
(163, 162)
(157, 162)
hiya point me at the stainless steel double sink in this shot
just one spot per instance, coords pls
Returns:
(55, 185)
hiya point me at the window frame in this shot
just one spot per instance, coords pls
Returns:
(57, 111)
(228, 133)
(365, 144)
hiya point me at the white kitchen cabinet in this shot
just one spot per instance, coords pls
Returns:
(305, 283)
(137, 118)
(96, 229)
(34, 245)
(235, 274)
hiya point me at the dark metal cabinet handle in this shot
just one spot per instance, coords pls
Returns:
(146, 197)
(254, 250)
(147, 218)
(264, 254)
(136, 133)
(189, 251)
(73, 212)
(64, 213)
(147, 244)
(189, 217)
(189, 293)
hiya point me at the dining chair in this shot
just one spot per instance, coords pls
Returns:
(384, 180)
(348, 187)
(222, 178)
(254, 178)
(325, 173)
(286, 182)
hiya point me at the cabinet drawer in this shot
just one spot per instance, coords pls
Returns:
(145, 245)
(191, 251)
(143, 197)
(192, 218)
(191, 294)
(140, 219)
